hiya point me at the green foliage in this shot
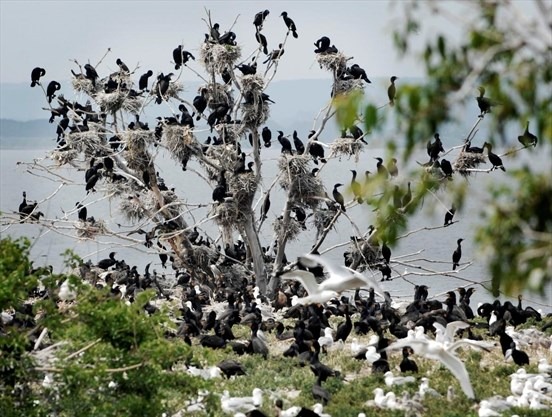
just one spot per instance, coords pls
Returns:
(346, 108)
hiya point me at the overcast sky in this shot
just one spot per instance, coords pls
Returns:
(50, 33)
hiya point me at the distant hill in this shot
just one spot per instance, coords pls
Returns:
(19, 135)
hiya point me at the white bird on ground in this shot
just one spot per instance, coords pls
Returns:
(544, 367)
(436, 351)
(485, 410)
(66, 291)
(318, 409)
(207, 373)
(339, 279)
(371, 354)
(391, 380)
(425, 389)
(233, 405)
(327, 339)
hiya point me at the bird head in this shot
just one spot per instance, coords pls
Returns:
(393, 78)
(284, 14)
(481, 91)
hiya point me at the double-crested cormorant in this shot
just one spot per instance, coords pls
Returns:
(407, 364)
(220, 191)
(91, 74)
(338, 197)
(266, 134)
(299, 147)
(457, 254)
(286, 144)
(357, 133)
(386, 252)
(108, 262)
(122, 66)
(143, 81)
(82, 211)
(229, 38)
(392, 167)
(186, 118)
(392, 91)
(356, 188)
(275, 54)
(494, 159)
(23, 203)
(265, 207)
(449, 215)
(381, 168)
(200, 103)
(163, 82)
(446, 167)
(246, 69)
(300, 215)
(358, 73)
(181, 57)
(483, 102)
(472, 149)
(53, 86)
(528, 139)
(262, 42)
(434, 148)
(322, 44)
(259, 19)
(290, 24)
(36, 73)
(407, 197)
(215, 34)
(315, 149)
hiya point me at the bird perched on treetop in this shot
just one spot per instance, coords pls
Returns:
(259, 19)
(51, 90)
(143, 82)
(122, 66)
(91, 74)
(322, 44)
(392, 91)
(483, 102)
(36, 73)
(358, 73)
(290, 24)
(528, 139)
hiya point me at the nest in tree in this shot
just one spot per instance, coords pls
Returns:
(256, 111)
(119, 188)
(204, 256)
(174, 89)
(242, 187)
(90, 228)
(252, 83)
(234, 276)
(133, 208)
(180, 141)
(87, 142)
(363, 254)
(231, 132)
(217, 94)
(291, 231)
(64, 156)
(223, 156)
(347, 86)
(84, 85)
(346, 146)
(136, 142)
(468, 160)
(298, 181)
(216, 57)
(322, 219)
(335, 62)
(229, 215)
(118, 100)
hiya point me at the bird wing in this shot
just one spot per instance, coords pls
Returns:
(453, 327)
(306, 279)
(471, 343)
(457, 368)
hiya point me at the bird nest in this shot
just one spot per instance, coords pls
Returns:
(137, 137)
(363, 254)
(180, 141)
(332, 61)
(217, 94)
(229, 215)
(254, 115)
(174, 89)
(346, 146)
(90, 229)
(216, 57)
(298, 181)
(205, 256)
(231, 132)
(290, 231)
(133, 208)
(86, 142)
(347, 86)
(467, 160)
(118, 100)
(84, 85)
(322, 219)
(63, 157)
(242, 187)
(224, 156)
(135, 148)
(118, 188)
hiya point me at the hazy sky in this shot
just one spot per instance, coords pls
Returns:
(50, 33)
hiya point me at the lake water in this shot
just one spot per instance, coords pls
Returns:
(437, 245)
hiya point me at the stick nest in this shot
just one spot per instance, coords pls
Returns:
(118, 100)
(231, 132)
(216, 57)
(335, 62)
(347, 86)
(322, 219)
(298, 181)
(90, 229)
(229, 215)
(62, 157)
(133, 208)
(84, 85)
(180, 141)
(174, 89)
(217, 94)
(468, 160)
(87, 142)
(242, 187)
(223, 156)
(347, 147)
(291, 230)
(120, 187)
(135, 147)
(363, 254)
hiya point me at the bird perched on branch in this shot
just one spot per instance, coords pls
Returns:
(493, 158)
(36, 73)
(181, 57)
(266, 134)
(163, 82)
(248, 69)
(259, 19)
(449, 215)
(434, 148)
(262, 42)
(392, 91)
(382, 171)
(446, 167)
(485, 104)
(356, 188)
(322, 44)
(338, 197)
(122, 66)
(528, 139)
(143, 81)
(299, 146)
(91, 74)
(82, 212)
(200, 102)
(358, 73)
(290, 24)
(53, 86)
(286, 144)
(275, 54)
(457, 254)
(315, 149)
(265, 207)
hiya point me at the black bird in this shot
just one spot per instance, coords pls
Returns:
(215, 34)
(246, 69)
(385, 272)
(286, 144)
(163, 82)
(122, 66)
(23, 203)
(407, 364)
(322, 44)
(220, 191)
(143, 81)
(226, 76)
(262, 42)
(472, 149)
(483, 102)
(91, 74)
(344, 329)
(392, 167)
(434, 148)
(407, 197)
(200, 103)
(82, 213)
(229, 38)
(290, 24)
(449, 215)
(108, 262)
(457, 254)
(338, 197)
(265, 207)
(385, 252)
(181, 57)
(493, 158)
(392, 91)
(53, 86)
(259, 19)
(528, 139)
(357, 133)
(319, 393)
(266, 134)
(230, 367)
(275, 54)
(300, 215)
(446, 167)
(315, 149)
(520, 358)
(186, 118)
(381, 168)
(300, 148)
(356, 188)
(358, 73)
(36, 73)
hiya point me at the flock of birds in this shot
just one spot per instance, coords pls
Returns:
(309, 295)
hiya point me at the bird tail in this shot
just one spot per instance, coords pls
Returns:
(391, 102)
(502, 168)
(454, 266)
(323, 160)
(295, 35)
